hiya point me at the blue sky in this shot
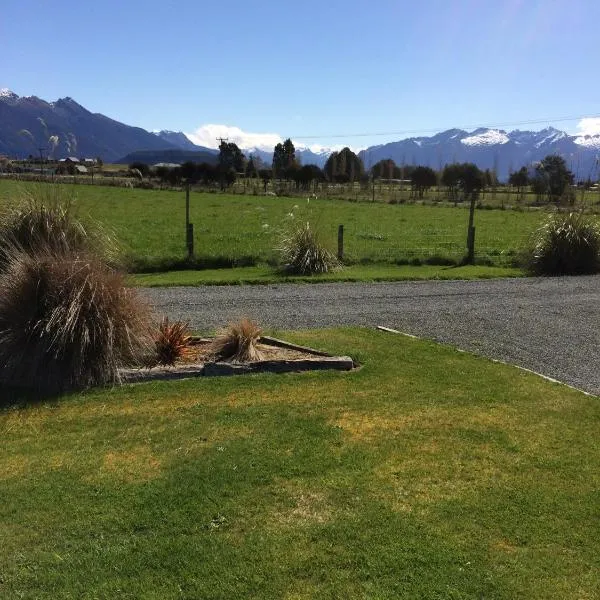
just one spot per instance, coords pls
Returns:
(310, 68)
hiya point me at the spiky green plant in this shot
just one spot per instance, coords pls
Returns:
(302, 252)
(566, 244)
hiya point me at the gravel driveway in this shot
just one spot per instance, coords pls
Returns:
(548, 325)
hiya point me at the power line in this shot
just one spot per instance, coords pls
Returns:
(436, 129)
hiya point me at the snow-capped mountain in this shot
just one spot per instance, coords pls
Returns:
(492, 148)
(64, 128)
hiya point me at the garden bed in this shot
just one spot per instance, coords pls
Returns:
(278, 356)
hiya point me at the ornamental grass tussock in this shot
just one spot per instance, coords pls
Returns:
(238, 342)
(566, 244)
(67, 320)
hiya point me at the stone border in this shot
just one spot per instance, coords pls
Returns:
(321, 361)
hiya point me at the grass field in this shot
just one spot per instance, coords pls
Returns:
(429, 473)
(244, 230)
(267, 275)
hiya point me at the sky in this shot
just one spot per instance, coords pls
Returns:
(326, 73)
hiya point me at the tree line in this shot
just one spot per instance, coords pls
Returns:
(549, 179)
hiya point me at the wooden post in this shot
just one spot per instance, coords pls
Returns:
(189, 227)
(470, 258)
(190, 240)
(340, 252)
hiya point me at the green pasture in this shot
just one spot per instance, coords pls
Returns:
(428, 473)
(238, 230)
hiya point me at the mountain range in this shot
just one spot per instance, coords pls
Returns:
(30, 126)
(492, 149)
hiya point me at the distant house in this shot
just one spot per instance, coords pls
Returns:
(70, 160)
(81, 169)
(89, 161)
(166, 165)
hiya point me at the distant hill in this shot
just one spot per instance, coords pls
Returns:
(178, 139)
(65, 128)
(176, 155)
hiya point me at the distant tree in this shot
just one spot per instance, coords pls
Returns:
(386, 169)
(464, 180)
(344, 166)
(143, 168)
(306, 175)
(231, 162)
(251, 170)
(553, 179)
(188, 172)
(422, 179)
(266, 175)
(231, 157)
(284, 159)
(519, 179)
(489, 177)
(451, 179)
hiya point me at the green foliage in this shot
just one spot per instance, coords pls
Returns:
(463, 180)
(386, 169)
(519, 179)
(553, 179)
(302, 252)
(423, 179)
(566, 245)
(344, 166)
(284, 158)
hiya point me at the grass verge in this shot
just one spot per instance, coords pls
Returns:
(355, 273)
(429, 473)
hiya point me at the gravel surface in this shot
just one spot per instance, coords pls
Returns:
(551, 326)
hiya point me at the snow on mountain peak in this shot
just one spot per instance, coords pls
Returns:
(6, 93)
(486, 137)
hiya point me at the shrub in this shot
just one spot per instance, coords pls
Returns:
(45, 222)
(238, 342)
(67, 322)
(302, 253)
(565, 245)
(171, 342)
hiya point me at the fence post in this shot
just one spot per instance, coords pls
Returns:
(190, 239)
(340, 252)
(189, 227)
(470, 259)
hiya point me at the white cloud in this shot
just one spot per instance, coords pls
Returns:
(207, 135)
(588, 126)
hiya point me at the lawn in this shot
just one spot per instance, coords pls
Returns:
(269, 275)
(429, 473)
(244, 230)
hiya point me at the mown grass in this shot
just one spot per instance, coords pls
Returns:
(269, 275)
(236, 230)
(429, 473)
